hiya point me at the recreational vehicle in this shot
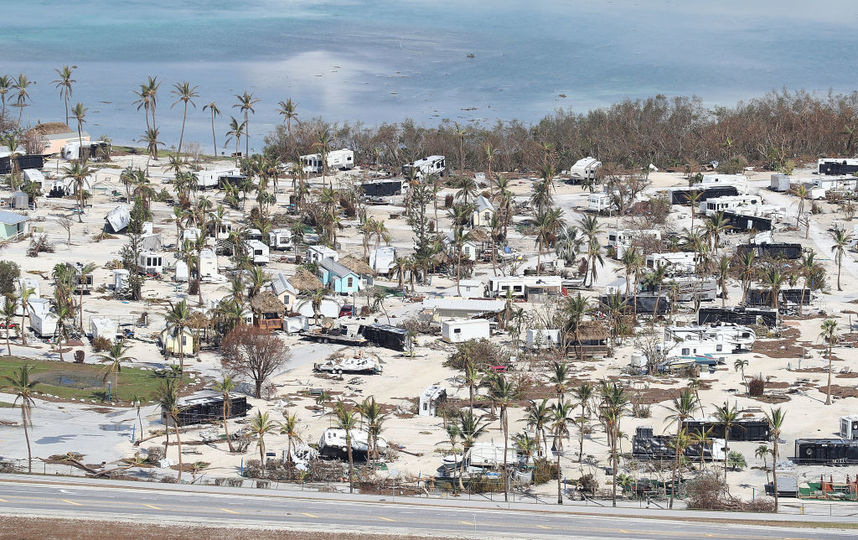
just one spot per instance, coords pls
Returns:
(837, 166)
(622, 240)
(317, 253)
(712, 206)
(207, 406)
(383, 188)
(677, 263)
(524, 286)
(431, 398)
(333, 444)
(737, 337)
(42, 320)
(455, 308)
(779, 182)
(280, 239)
(425, 167)
(183, 273)
(119, 218)
(459, 331)
(599, 202)
(542, 338)
(224, 228)
(342, 159)
(257, 251)
(102, 327)
(207, 264)
(212, 178)
(584, 169)
(385, 335)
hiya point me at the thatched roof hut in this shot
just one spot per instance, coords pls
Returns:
(303, 281)
(356, 265)
(267, 302)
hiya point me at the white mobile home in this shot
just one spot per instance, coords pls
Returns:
(585, 169)
(458, 331)
(724, 179)
(42, 319)
(257, 251)
(710, 207)
(524, 286)
(382, 259)
(211, 178)
(280, 239)
(317, 253)
(342, 159)
(455, 308)
(736, 337)
(150, 262)
(680, 262)
(425, 167)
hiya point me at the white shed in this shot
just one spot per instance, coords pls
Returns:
(150, 262)
(120, 279)
(42, 319)
(317, 253)
(458, 331)
(382, 259)
(542, 338)
(208, 263)
(182, 273)
(280, 239)
(30, 283)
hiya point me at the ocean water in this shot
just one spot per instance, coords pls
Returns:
(388, 60)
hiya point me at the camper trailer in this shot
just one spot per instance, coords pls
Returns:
(280, 239)
(542, 338)
(459, 331)
(425, 167)
(343, 159)
(779, 182)
(385, 335)
(677, 263)
(383, 188)
(120, 279)
(736, 337)
(712, 206)
(333, 444)
(150, 263)
(584, 169)
(680, 195)
(206, 406)
(646, 445)
(207, 179)
(258, 252)
(849, 427)
(42, 320)
(317, 253)
(224, 229)
(430, 399)
(524, 286)
(599, 202)
(183, 274)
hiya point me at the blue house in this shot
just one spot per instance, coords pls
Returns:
(337, 277)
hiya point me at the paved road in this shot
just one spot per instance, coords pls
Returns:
(338, 513)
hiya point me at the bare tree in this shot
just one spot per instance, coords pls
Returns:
(66, 224)
(254, 353)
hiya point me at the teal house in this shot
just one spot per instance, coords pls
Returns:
(12, 225)
(337, 277)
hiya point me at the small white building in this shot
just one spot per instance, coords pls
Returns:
(523, 286)
(182, 272)
(623, 239)
(102, 327)
(317, 253)
(191, 234)
(42, 320)
(430, 398)
(342, 159)
(120, 279)
(585, 169)
(223, 229)
(257, 251)
(150, 262)
(280, 239)
(29, 283)
(599, 202)
(458, 331)
(780, 182)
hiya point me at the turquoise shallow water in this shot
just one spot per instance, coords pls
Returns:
(387, 60)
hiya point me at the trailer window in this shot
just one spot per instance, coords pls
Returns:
(457, 330)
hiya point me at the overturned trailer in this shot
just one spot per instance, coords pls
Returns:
(648, 446)
(385, 335)
(775, 250)
(644, 304)
(826, 452)
(681, 195)
(206, 406)
(382, 188)
(745, 429)
(740, 221)
(738, 315)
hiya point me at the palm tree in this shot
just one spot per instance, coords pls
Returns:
(137, 403)
(694, 200)
(701, 439)
(747, 266)
(503, 394)
(470, 428)
(775, 418)
(574, 309)
(5, 86)
(472, 376)
(682, 410)
(773, 279)
(739, 365)
(150, 137)
(245, 104)
(558, 379)
(316, 297)
(114, 358)
(723, 276)
(808, 270)
(79, 113)
(589, 225)
(260, 425)
(177, 321)
(287, 111)
(212, 107)
(583, 394)
(26, 292)
(717, 225)
(9, 312)
(64, 315)
(400, 267)
(21, 86)
(323, 144)
(537, 416)
(727, 416)
(237, 131)
(760, 452)
(347, 421)
(64, 83)
(830, 336)
(461, 132)
(841, 240)
(370, 410)
(614, 404)
(19, 383)
(801, 192)
(185, 93)
(226, 386)
(168, 398)
(290, 428)
(78, 172)
(86, 270)
(560, 418)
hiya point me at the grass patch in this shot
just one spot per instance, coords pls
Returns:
(83, 381)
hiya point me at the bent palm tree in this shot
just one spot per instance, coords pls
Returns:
(19, 383)
(212, 107)
(185, 94)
